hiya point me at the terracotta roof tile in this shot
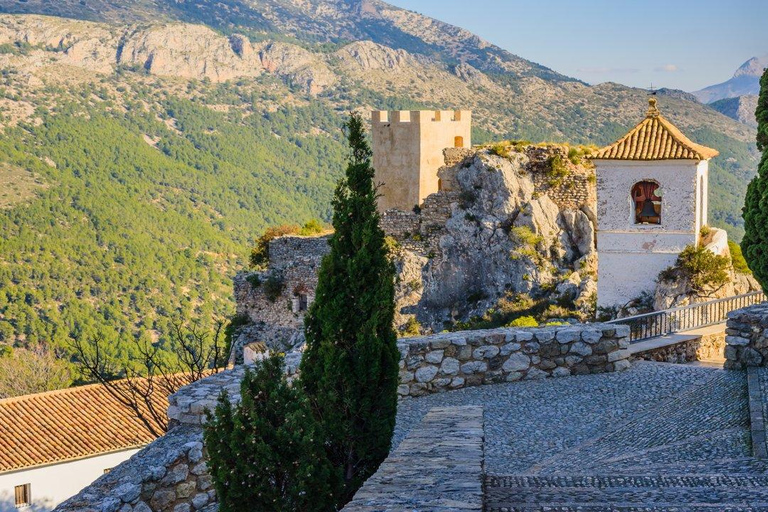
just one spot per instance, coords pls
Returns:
(655, 138)
(69, 424)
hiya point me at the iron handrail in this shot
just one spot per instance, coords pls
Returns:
(684, 318)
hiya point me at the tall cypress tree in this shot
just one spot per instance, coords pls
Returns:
(350, 366)
(755, 242)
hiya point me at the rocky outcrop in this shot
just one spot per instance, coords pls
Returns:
(674, 289)
(493, 234)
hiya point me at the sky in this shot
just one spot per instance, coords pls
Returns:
(681, 44)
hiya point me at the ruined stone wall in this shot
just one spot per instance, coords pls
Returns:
(575, 191)
(275, 301)
(747, 337)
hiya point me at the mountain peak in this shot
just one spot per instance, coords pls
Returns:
(753, 67)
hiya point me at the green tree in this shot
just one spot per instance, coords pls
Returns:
(267, 452)
(755, 242)
(350, 367)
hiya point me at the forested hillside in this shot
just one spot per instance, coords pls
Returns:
(140, 156)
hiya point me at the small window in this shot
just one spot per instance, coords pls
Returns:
(458, 142)
(646, 200)
(23, 495)
(303, 302)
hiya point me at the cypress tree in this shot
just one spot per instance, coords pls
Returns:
(350, 366)
(267, 453)
(755, 242)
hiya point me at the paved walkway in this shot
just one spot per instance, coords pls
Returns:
(657, 437)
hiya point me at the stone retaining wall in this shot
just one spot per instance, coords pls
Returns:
(747, 337)
(446, 361)
(169, 475)
(437, 468)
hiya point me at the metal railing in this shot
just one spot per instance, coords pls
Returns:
(669, 321)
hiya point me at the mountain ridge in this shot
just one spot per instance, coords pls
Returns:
(744, 82)
(163, 147)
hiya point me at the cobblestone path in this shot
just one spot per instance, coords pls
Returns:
(657, 437)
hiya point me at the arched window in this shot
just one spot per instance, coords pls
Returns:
(646, 199)
(458, 142)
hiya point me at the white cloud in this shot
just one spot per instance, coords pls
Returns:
(667, 68)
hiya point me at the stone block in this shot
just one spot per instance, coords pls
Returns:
(580, 348)
(450, 366)
(440, 343)
(485, 352)
(568, 336)
(474, 367)
(406, 377)
(591, 337)
(751, 357)
(737, 341)
(435, 356)
(606, 346)
(509, 348)
(515, 376)
(561, 372)
(531, 347)
(545, 336)
(517, 362)
(162, 499)
(200, 500)
(186, 489)
(535, 374)
(457, 382)
(425, 373)
(618, 355)
(621, 365)
(403, 390)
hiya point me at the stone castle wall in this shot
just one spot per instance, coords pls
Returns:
(747, 337)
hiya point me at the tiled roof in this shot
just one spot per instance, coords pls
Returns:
(655, 138)
(69, 424)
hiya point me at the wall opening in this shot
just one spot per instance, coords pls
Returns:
(458, 142)
(23, 495)
(646, 201)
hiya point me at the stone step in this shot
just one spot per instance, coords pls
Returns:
(643, 492)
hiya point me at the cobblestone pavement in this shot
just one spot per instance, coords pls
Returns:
(656, 437)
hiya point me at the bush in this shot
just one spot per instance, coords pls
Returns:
(260, 253)
(267, 453)
(700, 266)
(523, 321)
(557, 170)
(274, 286)
(411, 328)
(737, 259)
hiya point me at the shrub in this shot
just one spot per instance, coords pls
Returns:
(502, 149)
(313, 227)
(737, 259)
(260, 253)
(411, 328)
(523, 321)
(274, 286)
(557, 170)
(700, 266)
(267, 453)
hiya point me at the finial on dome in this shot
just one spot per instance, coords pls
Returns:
(653, 110)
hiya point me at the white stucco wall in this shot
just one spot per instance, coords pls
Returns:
(52, 484)
(631, 256)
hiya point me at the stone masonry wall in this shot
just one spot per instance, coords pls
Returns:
(169, 475)
(441, 362)
(747, 337)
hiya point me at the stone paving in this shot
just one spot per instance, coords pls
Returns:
(657, 437)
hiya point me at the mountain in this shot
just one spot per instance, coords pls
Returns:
(745, 82)
(741, 108)
(146, 144)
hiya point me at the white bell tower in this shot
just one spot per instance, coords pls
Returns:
(652, 187)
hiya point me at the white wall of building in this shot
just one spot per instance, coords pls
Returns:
(631, 256)
(52, 484)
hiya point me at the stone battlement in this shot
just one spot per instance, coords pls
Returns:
(418, 116)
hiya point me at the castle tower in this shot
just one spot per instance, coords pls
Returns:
(408, 151)
(652, 187)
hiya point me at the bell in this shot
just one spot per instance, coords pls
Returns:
(648, 209)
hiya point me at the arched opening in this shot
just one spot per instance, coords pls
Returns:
(646, 199)
(439, 184)
(458, 142)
